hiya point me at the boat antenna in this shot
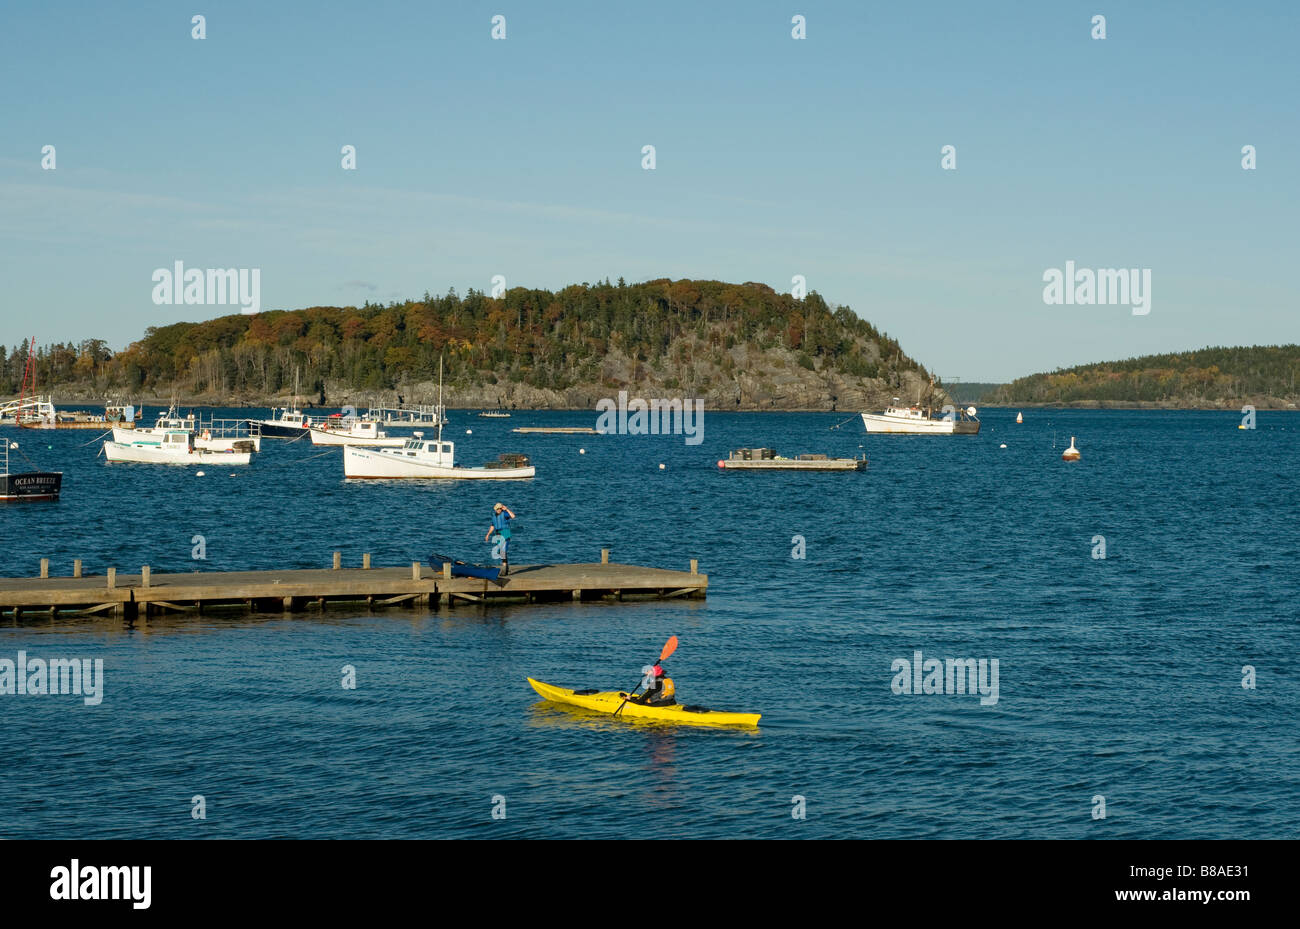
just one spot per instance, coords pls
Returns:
(440, 416)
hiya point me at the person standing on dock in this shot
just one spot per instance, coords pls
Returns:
(501, 516)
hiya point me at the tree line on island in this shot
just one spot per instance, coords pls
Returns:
(1267, 376)
(687, 336)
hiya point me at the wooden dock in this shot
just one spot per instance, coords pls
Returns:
(151, 593)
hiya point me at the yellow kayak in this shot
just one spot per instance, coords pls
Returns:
(608, 701)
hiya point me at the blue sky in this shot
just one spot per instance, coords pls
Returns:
(775, 157)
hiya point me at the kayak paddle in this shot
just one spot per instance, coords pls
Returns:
(669, 647)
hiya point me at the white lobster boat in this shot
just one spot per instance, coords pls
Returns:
(428, 459)
(352, 431)
(204, 438)
(175, 448)
(914, 420)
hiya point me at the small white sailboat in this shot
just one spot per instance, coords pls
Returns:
(175, 448)
(353, 431)
(1020, 417)
(1071, 453)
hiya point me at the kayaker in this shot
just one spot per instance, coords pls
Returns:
(501, 516)
(659, 687)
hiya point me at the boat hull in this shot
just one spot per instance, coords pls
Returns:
(156, 454)
(367, 464)
(273, 429)
(327, 437)
(609, 701)
(30, 485)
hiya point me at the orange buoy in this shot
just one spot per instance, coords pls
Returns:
(1071, 453)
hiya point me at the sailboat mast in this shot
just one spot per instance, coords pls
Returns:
(439, 413)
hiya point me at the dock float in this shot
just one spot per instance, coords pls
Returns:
(557, 430)
(290, 590)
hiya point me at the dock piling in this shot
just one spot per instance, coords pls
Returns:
(604, 556)
(76, 567)
(365, 561)
(112, 578)
(695, 566)
(415, 570)
(45, 567)
(338, 560)
(144, 576)
(446, 570)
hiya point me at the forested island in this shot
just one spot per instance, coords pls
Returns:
(737, 346)
(1266, 376)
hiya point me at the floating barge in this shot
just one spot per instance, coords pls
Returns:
(765, 459)
(149, 593)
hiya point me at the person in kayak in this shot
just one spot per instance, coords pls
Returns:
(501, 516)
(659, 687)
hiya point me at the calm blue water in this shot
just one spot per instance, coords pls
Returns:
(1118, 677)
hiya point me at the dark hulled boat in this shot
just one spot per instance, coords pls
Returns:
(27, 485)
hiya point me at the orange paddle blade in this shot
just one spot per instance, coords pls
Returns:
(669, 647)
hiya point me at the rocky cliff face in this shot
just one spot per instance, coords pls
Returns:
(773, 380)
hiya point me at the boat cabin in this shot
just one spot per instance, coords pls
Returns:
(907, 412)
(428, 451)
(177, 440)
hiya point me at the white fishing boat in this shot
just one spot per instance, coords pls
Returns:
(915, 420)
(209, 437)
(176, 448)
(408, 417)
(494, 414)
(429, 459)
(338, 430)
(434, 459)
